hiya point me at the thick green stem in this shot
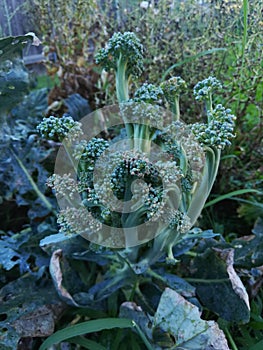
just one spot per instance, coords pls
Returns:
(209, 105)
(122, 90)
(136, 137)
(209, 174)
(175, 108)
(160, 245)
(230, 338)
(145, 139)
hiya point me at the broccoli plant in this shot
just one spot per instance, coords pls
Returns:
(140, 200)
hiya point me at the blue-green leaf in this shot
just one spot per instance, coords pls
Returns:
(215, 280)
(179, 321)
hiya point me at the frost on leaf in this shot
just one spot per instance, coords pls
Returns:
(176, 325)
(182, 321)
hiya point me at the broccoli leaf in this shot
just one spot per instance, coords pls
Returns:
(9, 257)
(180, 322)
(176, 325)
(249, 249)
(14, 79)
(27, 310)
(215, 280)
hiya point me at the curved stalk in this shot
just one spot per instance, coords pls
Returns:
(209, 174)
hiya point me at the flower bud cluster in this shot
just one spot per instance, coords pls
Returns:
(77, 221)
(173, 87)
(154, 203)
(91, 198)
(187, 181)
(56, 128)
(143, 113)
(125, 47)
(179, 221)
(203, 89)
(148, 93)
(179, 142)
(171, 147)
(219, 131)
(169, 172)
(89, 152)
(131, 167)
(64, 186)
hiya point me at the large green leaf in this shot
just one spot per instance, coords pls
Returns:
(27, 309)
(9, 257)
(77, 106)
(76, 292)
(218, 286)
(249, 249)
(180, 321)
(32, 108)
(22, 247)
(176, 325)
(24, 164)
(13, 74)
(68, 243)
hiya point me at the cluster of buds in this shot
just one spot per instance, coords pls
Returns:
(179, 221)
(77, 221)
(122, 47)
(64, 186)
(203, 89)
(173, 87)
(56, 128)
(148, 93)
(218, 131)
(87, 152)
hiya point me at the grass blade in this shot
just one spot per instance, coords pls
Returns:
(191, 58)
(229, 196)
(245, 23)
(244, 42)
(254, 204)
(86, 343)
(91, 327)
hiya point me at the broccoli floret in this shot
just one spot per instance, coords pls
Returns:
(148, 93)
(89, 152)
(219, 131)
(125, 48)
(123, 53)
(172, 89)
(179, 221)
(130, 168)
(77, 221)
(203, 89)
(56, 128)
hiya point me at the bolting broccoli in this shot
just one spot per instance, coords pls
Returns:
(123, 53)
